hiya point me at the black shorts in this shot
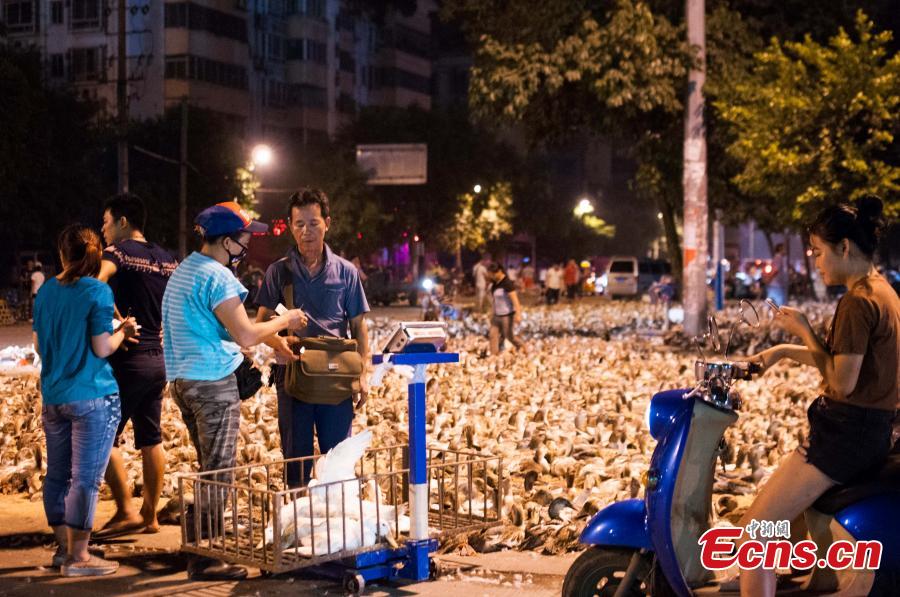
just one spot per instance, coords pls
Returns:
(141, 376)
(845, 440)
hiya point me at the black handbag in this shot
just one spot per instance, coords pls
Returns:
(249, 379)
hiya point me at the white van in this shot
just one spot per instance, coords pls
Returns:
(622, 277)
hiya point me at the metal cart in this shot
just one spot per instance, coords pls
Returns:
(247, 515)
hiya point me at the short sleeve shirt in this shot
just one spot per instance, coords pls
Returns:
(66, 316)
(501, 292)
(867, 322)
(142, 271)
(196, 346)
(330, 298)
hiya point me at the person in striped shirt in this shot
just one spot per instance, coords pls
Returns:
(205, 326)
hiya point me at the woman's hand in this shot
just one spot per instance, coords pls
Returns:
(764, 359)
(129, 327)
(793, 321)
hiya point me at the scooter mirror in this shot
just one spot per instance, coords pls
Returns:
(698, 342)
(713, 334)
(749, 314)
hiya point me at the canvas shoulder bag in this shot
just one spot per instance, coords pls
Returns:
(329, 368)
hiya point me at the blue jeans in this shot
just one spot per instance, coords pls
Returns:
(79, 438)
(296, 422)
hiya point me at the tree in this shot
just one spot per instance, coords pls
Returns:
(54, 164)
(216, 154)
(603, 69)
(813, 124)
(460, 155)
(480, 218)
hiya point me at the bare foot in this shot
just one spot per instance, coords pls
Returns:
(121, 524)
(150, 522)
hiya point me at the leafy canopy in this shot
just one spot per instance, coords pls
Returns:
(814, 124)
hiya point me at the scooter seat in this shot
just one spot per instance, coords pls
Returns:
(885, 479)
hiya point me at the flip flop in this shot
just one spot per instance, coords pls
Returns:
(113, 532)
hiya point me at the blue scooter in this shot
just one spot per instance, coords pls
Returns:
(650, 546)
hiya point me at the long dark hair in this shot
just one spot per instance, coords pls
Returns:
(861, 224)
(81, 251)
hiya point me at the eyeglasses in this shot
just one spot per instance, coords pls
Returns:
(238, 243)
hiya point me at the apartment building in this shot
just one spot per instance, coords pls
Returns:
(276, 67)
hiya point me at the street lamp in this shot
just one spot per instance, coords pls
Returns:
(477, 188)
(584, 207)
(261, 156)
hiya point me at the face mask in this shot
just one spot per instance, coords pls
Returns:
(236, 259)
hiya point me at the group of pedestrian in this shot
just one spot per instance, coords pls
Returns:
(118, 326)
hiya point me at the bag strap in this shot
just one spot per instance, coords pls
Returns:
(287, 292)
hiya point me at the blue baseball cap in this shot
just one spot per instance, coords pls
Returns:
(227, 218)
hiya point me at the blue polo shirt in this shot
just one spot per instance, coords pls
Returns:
(196, 345)
(66, 316)
(331, 298)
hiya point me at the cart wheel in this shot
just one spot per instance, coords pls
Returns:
(354, 583)
(435, 569)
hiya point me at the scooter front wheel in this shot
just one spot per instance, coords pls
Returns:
(599, 571)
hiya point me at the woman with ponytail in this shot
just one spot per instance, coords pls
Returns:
(850, 423)
(73, 334)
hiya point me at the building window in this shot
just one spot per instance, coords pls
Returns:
(214, 72)
(56, 13)
(57, 66)
(20, 17)
(85, 64)
(85, 14)
(407, 40)
(200, 18)
(344, 21)
(346, 61)
(307, 96)
(276, 47)
(307, 8)
(307, 50)
(276, 94)
(346, 104)
(397, 77)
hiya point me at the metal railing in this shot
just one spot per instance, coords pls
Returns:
(248, 515)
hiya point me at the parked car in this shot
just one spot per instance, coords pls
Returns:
(630, 276)
(622, 277)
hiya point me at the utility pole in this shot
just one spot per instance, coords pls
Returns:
(182, 182)
(696, 211)
(122, 99)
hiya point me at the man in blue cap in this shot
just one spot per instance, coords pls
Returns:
(205, 326)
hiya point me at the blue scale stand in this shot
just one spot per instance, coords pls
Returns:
(412, 560)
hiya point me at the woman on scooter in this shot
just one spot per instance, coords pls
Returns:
(851, 421)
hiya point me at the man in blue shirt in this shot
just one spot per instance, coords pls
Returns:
(328, 289)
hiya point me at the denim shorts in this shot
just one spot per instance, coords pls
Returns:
(79, 438)
(845, 440)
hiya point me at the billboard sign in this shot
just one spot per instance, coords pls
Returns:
(394, 164)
